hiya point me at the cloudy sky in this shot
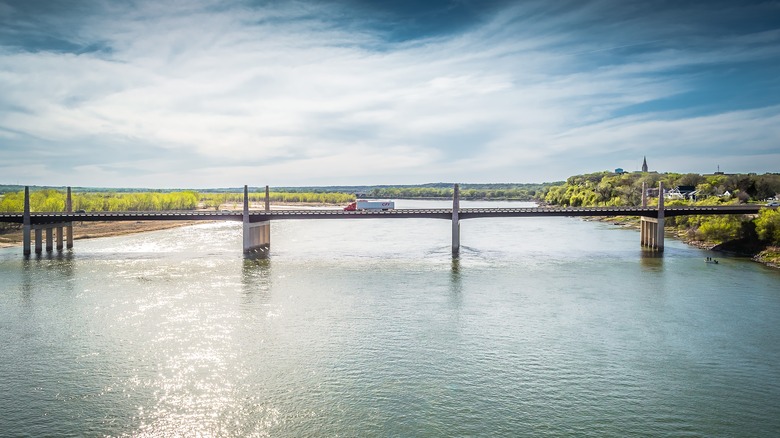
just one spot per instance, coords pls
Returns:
(216, 93)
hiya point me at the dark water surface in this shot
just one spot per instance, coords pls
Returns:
(542, 327)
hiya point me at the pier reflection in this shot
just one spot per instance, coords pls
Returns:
(26, 285)
(456, 283)
(652, 261)
(256, 278)
(50, 268)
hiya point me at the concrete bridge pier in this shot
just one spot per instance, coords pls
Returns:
(26, 224)
(49, 239)
(51, 231)
(648, 232)
(47, 233)
(59, 237)
(651, 230)
(68, 225)
(257, 235)
(455, 220)
(38, 241)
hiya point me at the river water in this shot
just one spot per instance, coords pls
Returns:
(542, 327)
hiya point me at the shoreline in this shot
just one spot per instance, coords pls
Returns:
(93, 230)
(97, 229)
(768, 256)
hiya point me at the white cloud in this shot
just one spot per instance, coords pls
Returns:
(290, 96)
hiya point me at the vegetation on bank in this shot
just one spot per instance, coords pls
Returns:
(610, 189)
(54, 200)
(768, 226)
(768, 230)
(769, 256)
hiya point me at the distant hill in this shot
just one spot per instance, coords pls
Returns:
(300, 189)
(7, 188)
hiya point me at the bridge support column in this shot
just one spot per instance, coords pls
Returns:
(257, 235)
(267, 199)
(69, 225)
(660, 231)
(648, 232)
(49, 240)
(59, 236)
(26, 225)
(455, 220)
(651, 230)
(38, 241)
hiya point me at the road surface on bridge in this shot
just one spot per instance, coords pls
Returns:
(442, 213)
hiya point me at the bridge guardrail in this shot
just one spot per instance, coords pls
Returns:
(443, 213)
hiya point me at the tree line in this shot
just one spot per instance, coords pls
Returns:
(54, 200)
(215, 200)
(516, 192)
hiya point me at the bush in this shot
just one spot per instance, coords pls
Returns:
(719, 228)
(768, 226)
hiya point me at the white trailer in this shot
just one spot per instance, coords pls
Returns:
(362, 204)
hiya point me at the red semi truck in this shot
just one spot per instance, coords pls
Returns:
(363, 205)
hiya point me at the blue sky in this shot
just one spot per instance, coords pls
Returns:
(211, 93)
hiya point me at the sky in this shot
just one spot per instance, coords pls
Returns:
(220, 93)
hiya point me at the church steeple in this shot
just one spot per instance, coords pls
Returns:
(644, 164)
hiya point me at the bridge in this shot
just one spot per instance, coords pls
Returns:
(437, 213)
(257, 233)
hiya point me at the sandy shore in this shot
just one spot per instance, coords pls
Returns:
(89, 230)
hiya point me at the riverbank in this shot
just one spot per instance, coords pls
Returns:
(90, 230)
(757, 251)
(11, 237)
(770, 257)
(767, 255)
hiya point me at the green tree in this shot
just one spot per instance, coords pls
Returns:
(768, 225)
(720, 228)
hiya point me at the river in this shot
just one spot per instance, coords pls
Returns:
(542, 327)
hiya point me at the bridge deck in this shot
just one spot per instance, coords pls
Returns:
(443, 213)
